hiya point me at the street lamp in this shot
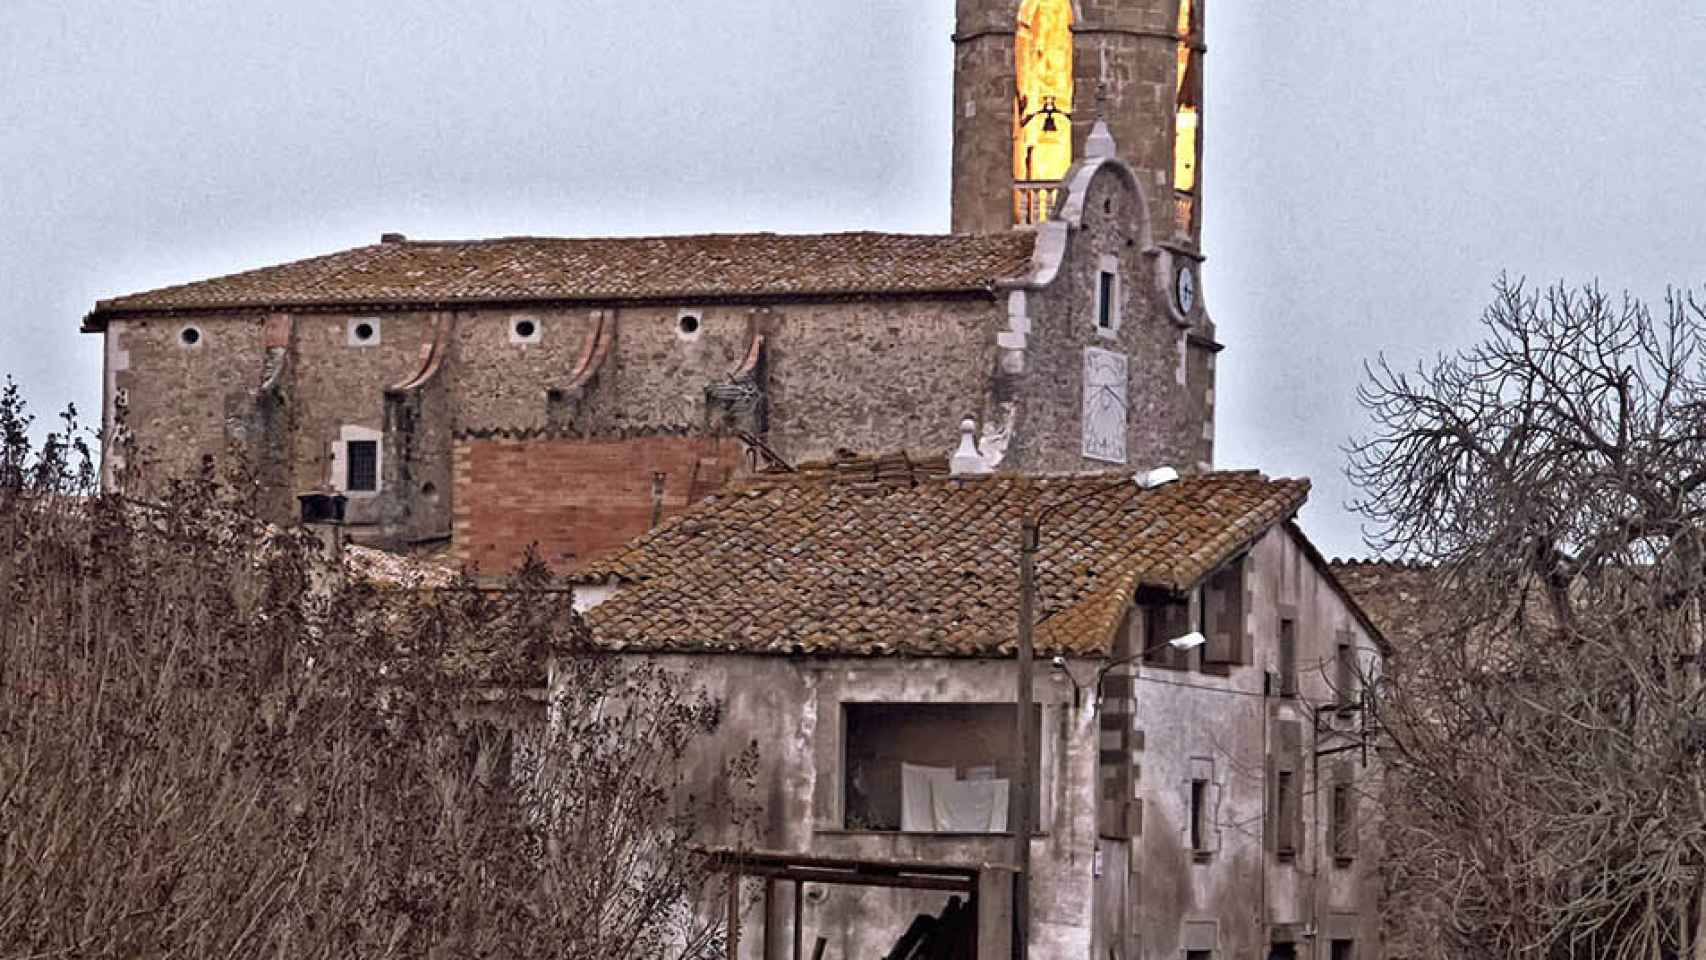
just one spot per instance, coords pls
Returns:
(1030, 527)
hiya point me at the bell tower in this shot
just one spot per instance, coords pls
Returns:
(1032, 76)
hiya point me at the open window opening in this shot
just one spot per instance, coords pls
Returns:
(1223, 618)
(1042, 108)
(1187, 117)
(1288, 657)
(932, 767)
(1165, 618)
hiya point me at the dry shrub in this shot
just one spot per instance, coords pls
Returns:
(213, 744)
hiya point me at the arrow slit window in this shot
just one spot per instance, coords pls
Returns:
(1187, 119)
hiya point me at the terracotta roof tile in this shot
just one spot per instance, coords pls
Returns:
(835, 560)
(603, 269)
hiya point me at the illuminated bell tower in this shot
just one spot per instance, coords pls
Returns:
(1031, 77)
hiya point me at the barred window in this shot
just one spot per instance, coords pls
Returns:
(362, 457)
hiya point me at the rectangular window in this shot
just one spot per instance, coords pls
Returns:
(362, 457)
(1164, 622)
(1344, 950)
(932, 767)
(1105, 301)
(1288, 657)
(1344, 823)
(1199, 955)
(1285, 809)
(1223, 615)
(1345, 671)
(1199, 816)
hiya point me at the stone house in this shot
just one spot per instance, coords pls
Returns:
(858, 618)
(485, 395)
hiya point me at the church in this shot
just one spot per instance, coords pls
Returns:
(477, 396)
(587, 397)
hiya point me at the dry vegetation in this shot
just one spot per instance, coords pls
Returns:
(214, 745)
(1548, 746)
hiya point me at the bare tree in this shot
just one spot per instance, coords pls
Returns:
(1547, 737)
(211, 747)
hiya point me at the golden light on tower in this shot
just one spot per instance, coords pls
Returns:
(1187, 119)
(1042, 115)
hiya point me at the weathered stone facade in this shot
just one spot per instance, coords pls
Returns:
(1125, 69)
(792, 377)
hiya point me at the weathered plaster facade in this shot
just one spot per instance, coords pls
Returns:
(1197, 801)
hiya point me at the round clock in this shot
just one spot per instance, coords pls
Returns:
(1185, 289)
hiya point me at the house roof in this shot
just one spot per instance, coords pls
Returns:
(400, 273)
(868, 559)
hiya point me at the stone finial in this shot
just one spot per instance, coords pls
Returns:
(966, 461)
(1100, 143)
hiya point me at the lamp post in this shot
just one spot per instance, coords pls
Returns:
(1019, 801)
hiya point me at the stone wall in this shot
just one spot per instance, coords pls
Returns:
(1170, 374)
(1124, 48)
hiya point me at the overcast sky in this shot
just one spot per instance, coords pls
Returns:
(1369, 167)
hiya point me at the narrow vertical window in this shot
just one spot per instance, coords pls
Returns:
(1187, 118)
(362, 457)
(1105, 301)
(1199, 814)
(1288, 658)
(1344, 680)
(1343, 823)
(1285, 807)
(1042, 115)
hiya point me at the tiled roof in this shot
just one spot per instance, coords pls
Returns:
(833, 561)
(603, 269)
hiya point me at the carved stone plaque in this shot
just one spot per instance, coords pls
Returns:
(1104, 405)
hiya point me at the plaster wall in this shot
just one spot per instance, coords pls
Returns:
(793, 707)
(1227, 729)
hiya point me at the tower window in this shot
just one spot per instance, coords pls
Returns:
(1042, 115)
(1105, 301)
(362, 465)
(1187, 118)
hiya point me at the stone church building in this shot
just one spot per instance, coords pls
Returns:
(483, 395)
(476, 397)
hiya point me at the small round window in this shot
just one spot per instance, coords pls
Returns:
(363, 331)
(190, 336)
(524, 330)
(688, 324)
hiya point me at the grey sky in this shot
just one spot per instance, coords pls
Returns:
(1369, 167)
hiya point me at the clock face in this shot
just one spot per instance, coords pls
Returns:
(1185, 289)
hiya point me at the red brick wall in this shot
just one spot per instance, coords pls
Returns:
(575, 499)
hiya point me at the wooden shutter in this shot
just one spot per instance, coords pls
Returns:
(1223, 615)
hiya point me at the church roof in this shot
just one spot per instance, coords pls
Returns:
(888, 557)
(405, 273)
